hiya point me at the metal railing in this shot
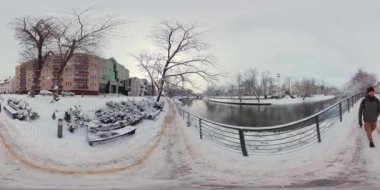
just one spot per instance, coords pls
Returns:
(274, 139)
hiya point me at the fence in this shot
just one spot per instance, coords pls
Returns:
(270, 140)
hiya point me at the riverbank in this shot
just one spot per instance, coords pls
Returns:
(283, 101)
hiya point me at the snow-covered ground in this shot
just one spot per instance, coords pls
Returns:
(282, 101)
(176, 158)
(38, 140)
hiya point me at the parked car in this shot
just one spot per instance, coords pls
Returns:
(68, 93)
(46, 93)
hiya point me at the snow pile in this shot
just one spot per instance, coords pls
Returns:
(24, 111)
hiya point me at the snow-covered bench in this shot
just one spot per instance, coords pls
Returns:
(11, 111)
(97, 136)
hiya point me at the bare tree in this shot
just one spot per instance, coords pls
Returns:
(35, 35)
(231, 89)
(182, 54)
(251, 83)
(80, 34)
(150, 65)
(322, 87)
(266, 82)
(307, 86)
(361, 81)
(211, 90)
(239, 80)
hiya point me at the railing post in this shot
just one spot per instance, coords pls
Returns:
(318, 131)
(183, 114)
(348, 104)
(340, 112)
(188, 119)
(200, 128)
(242, 142)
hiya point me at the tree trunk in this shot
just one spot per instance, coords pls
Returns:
(59, 80)
(159, 95)
(258, 98)
(36, 79)
(37, 66)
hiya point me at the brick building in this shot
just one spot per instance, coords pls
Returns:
(82, 75)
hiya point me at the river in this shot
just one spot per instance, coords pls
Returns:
(255, 116)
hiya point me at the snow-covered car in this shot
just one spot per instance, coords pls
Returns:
(46, 93)
(68, 93)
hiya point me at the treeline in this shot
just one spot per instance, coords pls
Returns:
(265, 85)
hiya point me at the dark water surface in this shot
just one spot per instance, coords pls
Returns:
(255, 116)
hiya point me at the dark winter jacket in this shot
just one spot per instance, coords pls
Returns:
(369, 109)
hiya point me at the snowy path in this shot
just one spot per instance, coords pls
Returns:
(177, 159)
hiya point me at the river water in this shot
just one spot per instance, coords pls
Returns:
(255, 116)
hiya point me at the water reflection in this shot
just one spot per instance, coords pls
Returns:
(255, 116)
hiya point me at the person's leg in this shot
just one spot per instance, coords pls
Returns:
(373, 126)
(368, 129)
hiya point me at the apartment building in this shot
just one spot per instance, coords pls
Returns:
(83, 74)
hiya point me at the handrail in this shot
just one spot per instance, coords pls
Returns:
(315, 126)
(264, 128)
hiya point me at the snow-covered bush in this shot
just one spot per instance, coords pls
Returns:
(24, 111)
(127, 112)
(76, 115)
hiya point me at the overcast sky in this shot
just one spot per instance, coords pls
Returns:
(323, 39)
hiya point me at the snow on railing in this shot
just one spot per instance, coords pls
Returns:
(273, 139)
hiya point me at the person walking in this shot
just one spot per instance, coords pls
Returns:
(369, 112)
